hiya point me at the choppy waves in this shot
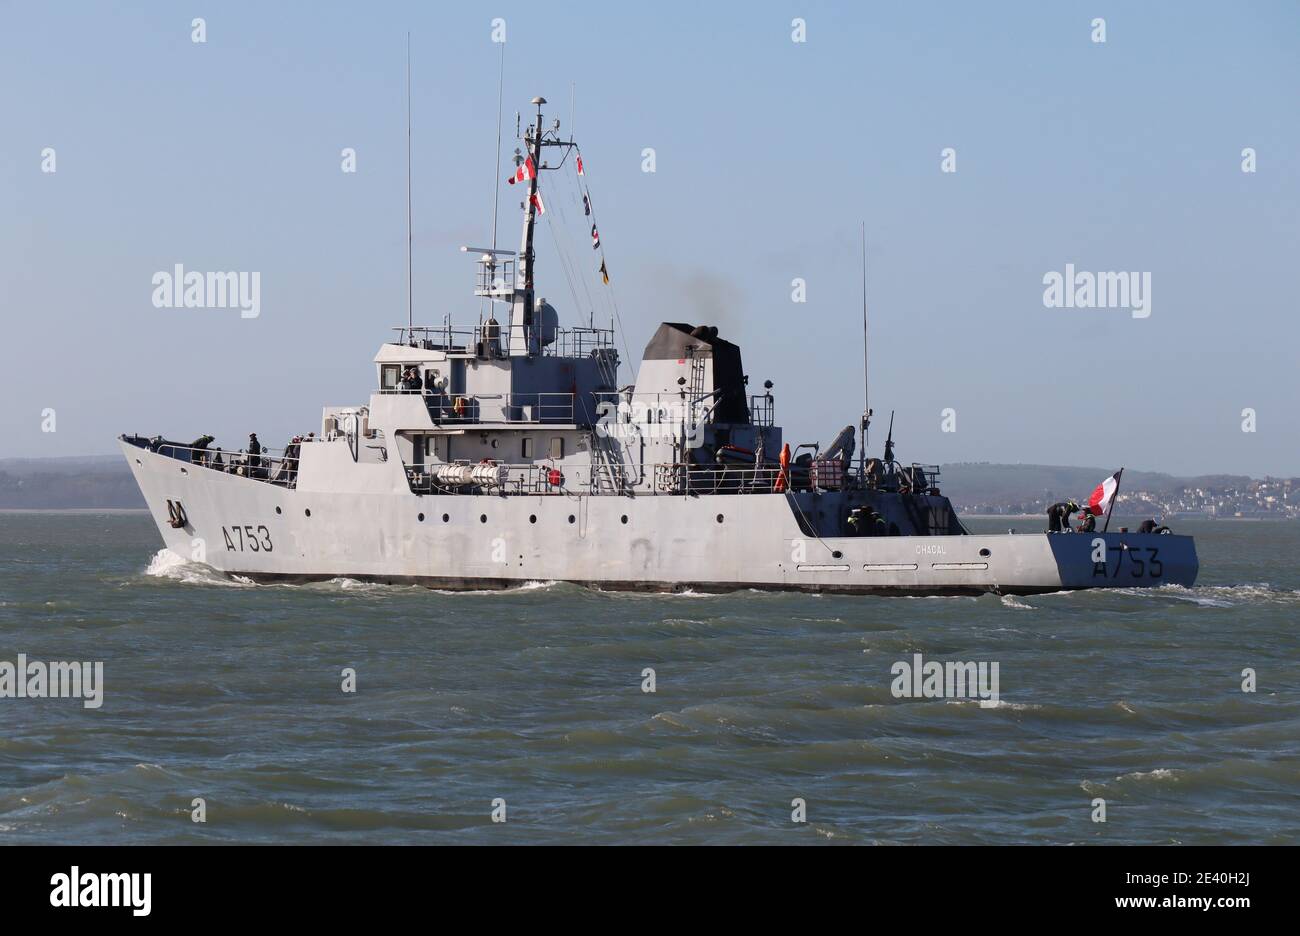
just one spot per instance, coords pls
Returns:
(541, 696)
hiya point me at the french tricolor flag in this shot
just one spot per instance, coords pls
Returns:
(1101, 498)
(524, 172)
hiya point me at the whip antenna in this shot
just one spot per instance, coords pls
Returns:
(410, 311)
(496, 179)
(866, 390)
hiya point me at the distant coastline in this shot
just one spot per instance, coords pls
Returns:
(1124, 518)
(74, 510)
(978, 490)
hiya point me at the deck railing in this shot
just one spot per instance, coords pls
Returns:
(528, 478)
(274, 466)
(492, 340)
(511, 408)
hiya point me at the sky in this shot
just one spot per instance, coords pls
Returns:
(769, 154)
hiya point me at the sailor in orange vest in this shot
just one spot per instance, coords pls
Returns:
(783, 477)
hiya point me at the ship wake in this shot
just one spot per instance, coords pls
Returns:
(166, 564)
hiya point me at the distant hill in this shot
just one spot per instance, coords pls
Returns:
(105, 481)
(64, 483)
(968, 483)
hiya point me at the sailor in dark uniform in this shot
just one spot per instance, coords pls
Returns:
(200, 446)
(861, 521)
(1058, 516)
(254, 460)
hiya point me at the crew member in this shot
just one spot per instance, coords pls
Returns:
(1087, 522)
(875, 472)
(200, 446)
(254, 460)
(862, 521)
(1058, 516)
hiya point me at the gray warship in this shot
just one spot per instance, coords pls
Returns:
(501, 453)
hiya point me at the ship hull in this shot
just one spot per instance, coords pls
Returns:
(268, 533)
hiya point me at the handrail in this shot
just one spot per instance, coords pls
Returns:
(529, 478)
(509, 408)
(682, 478)
(576, 341)
(266, 466)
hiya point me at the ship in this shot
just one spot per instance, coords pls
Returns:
(496, 454)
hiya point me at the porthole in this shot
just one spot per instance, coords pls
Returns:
(277, 510)
(482, 518)
(572, 518)
(985, 553)
(446, 518)
(624, 518)
(307, 512)
(837, 555)
(719, 518)
(420, 517)
(532, 518)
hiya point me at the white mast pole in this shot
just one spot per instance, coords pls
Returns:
(866, 391)
(496, 179)
(410, 308)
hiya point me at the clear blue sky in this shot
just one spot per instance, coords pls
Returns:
(226, 156)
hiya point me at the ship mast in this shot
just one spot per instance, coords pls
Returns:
(524, 335)
(521, 314)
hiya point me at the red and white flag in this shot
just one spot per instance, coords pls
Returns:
(1101, 498)
(580, 172)
(524, 172)
(537, 204)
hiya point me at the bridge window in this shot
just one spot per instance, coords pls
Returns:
(526, 447)
(389, 374)
(557, 446)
